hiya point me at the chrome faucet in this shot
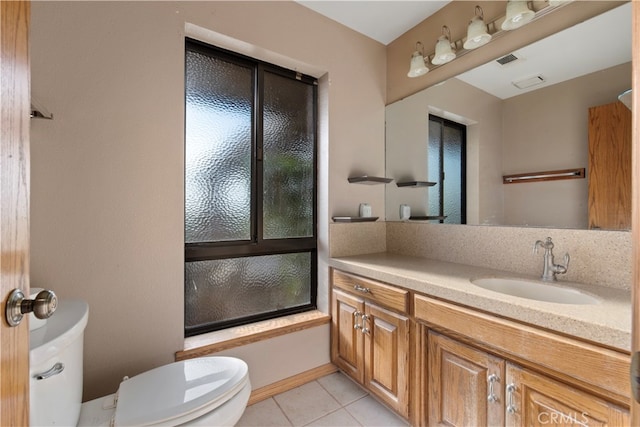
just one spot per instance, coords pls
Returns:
(550, 269)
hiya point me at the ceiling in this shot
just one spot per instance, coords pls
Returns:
(601, 42)
(372, 17)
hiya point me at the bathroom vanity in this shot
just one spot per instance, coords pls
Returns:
(439, 350)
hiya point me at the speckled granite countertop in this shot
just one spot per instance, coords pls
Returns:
(607, 323)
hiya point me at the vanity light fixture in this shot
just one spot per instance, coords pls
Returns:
(477, 34)
(444, 52)
(625, 98)
(418, 65)
(518, 14)
(554, 3)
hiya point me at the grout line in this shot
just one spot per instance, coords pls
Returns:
(330, 395)
(366, 393)
(353, 415)
(334, 411)
(343, 406)
(282, 410)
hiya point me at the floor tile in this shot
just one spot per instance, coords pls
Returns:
(330, 401)
(342, 388)
(370, 413)
(265, 413)
(340, 418)
(306, 403)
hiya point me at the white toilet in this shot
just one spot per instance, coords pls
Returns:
(207, 391)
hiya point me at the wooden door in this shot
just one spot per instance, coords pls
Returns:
(346, 339)
(609, 171)
(540, 401)
(635, 228)
(465, 385)
(386, 356)
(14, 207)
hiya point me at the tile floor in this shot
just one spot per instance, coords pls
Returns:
(331, 401)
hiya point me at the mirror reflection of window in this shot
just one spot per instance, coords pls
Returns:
(447, 166)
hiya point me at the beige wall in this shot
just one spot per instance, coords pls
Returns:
(107, 172)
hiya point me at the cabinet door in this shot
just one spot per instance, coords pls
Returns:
(346, 340)
(465, 385)
(610, 167)
(386, 356)
(536, 400)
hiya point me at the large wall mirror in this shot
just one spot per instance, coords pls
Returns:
(541, 126)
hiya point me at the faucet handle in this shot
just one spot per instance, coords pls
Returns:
(536, 245)
(567, 258)
(547, 245)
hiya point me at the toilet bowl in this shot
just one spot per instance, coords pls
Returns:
(206, 391)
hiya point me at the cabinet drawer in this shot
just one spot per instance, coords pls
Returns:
(386, 295)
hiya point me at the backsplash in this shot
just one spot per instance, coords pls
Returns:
(347, 239)
(597, 257)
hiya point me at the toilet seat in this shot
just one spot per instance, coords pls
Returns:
(179, 392)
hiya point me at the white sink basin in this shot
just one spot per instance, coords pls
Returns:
(534, 290)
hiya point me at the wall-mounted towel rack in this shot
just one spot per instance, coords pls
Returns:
(544, 176)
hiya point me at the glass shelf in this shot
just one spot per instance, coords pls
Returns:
(415, 184)
(369, 180)
(427, 218)
(354, 218)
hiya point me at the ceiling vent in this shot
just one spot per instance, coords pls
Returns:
(528, 82)
(506, 59)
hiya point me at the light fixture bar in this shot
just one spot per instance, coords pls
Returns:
(496, 32)
(544, 176)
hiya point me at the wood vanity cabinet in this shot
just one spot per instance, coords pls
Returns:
(370, 337)
(468, 386)
(437, 363)
(505, 373)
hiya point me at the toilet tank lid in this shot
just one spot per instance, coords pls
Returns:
(65, 326)
(181, 391)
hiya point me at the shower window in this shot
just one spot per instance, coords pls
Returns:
(250, 190)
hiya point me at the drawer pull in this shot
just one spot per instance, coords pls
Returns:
(511, 407)
(355, 320)
(362, 289)
(493, 378)
(365, 330)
